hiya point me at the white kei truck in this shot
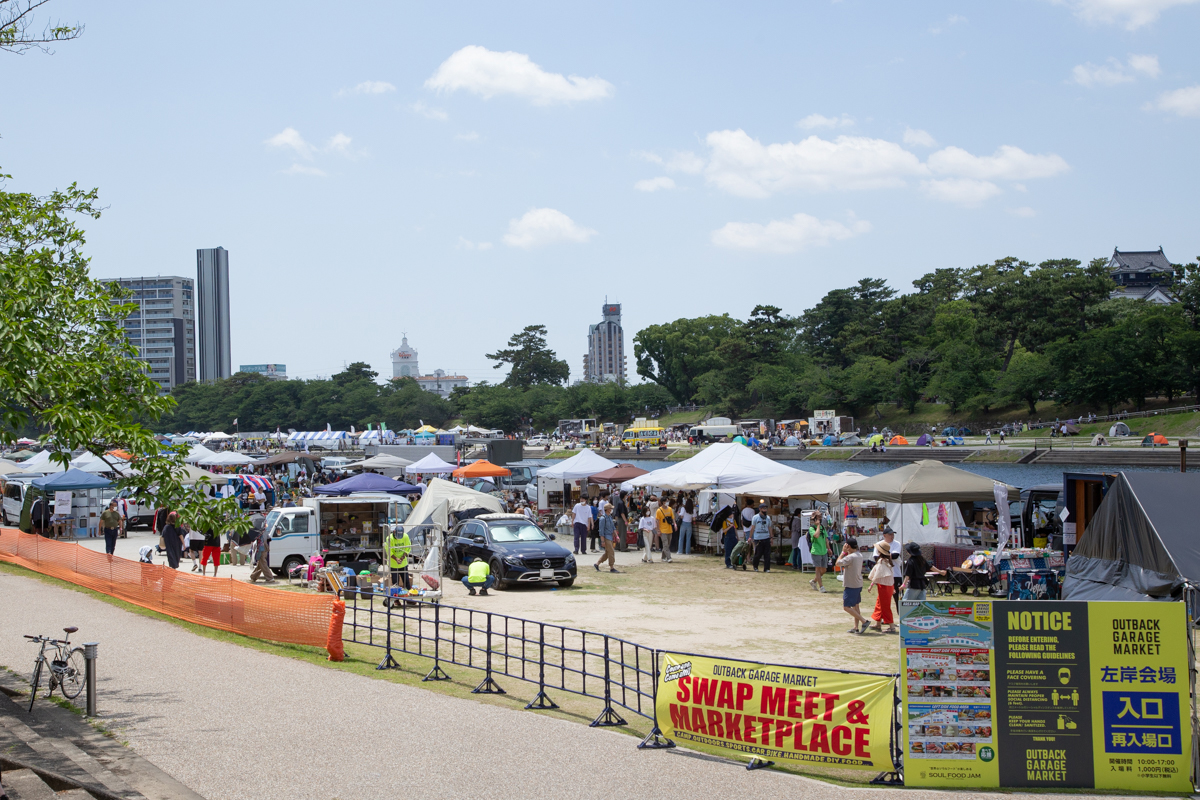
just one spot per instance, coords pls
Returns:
(349, 530)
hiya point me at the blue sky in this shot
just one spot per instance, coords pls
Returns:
(459, 170)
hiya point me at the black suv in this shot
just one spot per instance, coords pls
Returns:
(516, 550)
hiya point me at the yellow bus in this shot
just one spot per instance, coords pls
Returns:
(647, 436)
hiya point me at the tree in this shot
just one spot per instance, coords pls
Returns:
(17, 33)
(531, 362)
(66, 368)
(358, 371)
(676, 354)
(1028, 379)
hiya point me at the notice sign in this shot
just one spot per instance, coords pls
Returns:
(1085, 695)
(792, 714)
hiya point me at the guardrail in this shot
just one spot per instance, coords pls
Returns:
(1124, 415)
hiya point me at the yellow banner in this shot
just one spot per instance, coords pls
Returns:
(778, 712)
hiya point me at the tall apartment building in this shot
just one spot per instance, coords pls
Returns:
(163, 327)
(605, 358)
(212, 293)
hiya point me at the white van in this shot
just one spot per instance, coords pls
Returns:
(348, 529)
(14, 498)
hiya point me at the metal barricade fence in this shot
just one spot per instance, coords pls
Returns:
(620, 673)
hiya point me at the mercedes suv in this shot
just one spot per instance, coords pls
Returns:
(516, 550)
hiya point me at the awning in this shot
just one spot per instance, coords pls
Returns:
(926, 482)
(481, 469)
(584, 464)
(71, 480)
(430, 465)
(724, 465)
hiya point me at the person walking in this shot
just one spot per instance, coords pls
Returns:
(796, 527)
(211, 551)
(652, 511)
(883, 583)
(915, 568)
(760, 527)
(110, 523)
(818, 548)
(195, 544)
(851, 563)
(262, 558)
(665, 518)
(988, 440)
(621, 522)
(172, 539)
(583, 519)
(728, 533)
(889, 537)
(646, 530)
(607, 529)
(593, 532)
(687, 514)
(397, 549)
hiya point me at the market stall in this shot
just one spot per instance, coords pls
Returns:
(555, 483)
(366, 482)
(429, 465)
(78, 498)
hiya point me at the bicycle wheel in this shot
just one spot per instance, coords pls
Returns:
(73, 677)
(37, 678)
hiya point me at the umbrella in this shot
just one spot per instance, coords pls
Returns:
(481, 469)
(366, 482)
(618, 474)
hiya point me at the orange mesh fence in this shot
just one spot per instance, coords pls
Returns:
(214, 602)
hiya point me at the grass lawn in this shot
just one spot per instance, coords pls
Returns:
(832, 454)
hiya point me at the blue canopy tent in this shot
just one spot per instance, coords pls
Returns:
(70, 481)
(367, 482)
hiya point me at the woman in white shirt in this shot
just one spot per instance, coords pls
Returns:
(686, 514)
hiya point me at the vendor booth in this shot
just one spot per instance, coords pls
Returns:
(78, 498)
(555, 483)
(429, 465)
(366, 482)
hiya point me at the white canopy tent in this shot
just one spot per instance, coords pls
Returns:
(429, 465)
(584, 464)
(198, 452)
(382, 461)
(219, 436)
(721, 466)
(230, 459)
(90, 462)
(36, 462)
(443, 497)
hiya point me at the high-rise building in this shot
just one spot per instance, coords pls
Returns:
(212, 293)
(605, 358)
(163, 327)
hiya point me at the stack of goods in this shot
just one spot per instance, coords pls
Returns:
(1027, 573)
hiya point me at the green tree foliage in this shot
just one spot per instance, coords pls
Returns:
(531, 362)
(676, 354)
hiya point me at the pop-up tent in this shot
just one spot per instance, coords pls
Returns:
(443, 498)
(583, 464)
(383, 461)
(70, 481)
(924, 440)
(618, 474)
(228, 459)
(481, 469)
(720, 465)
(429, 465)
(366, 482)
(1141, 544)
(1119, 429)
(898, 440)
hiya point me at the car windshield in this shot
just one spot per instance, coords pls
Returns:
(517, 532)
(272, 518)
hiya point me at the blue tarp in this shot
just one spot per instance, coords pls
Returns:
(70, 481)
(367, 482)
(828, 441)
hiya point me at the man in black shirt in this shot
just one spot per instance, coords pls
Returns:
(621, 519)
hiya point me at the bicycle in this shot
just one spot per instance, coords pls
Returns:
(66, 666)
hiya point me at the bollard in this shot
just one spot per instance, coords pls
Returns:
(89, 657)
(1183, 443)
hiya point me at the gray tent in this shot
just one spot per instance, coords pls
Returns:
(926, 481)
(1141, 545)
(1118, 429)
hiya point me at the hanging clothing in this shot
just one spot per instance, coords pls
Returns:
(943, 517)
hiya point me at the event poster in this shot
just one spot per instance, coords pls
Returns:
(784, 713)
(1086, 695)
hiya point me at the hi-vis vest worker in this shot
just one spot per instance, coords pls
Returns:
(397, 548)
(478, 572)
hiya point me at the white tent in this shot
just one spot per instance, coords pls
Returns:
(782, 485)
(8, 468)
(197, 452)
(219, 436)
(230, 459)
(584, 464)
(90, 462)
(36, 462)
(721, 465)
(906, 519)
(442, 497)
(820, 487)
(429, 465)
(383, 461)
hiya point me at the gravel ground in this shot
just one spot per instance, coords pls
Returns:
(287, 729)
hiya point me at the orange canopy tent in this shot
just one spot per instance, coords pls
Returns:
(481, 469)
(898, 439)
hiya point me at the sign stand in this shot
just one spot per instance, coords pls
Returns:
(758, 763)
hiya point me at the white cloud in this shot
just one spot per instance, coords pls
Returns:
(303, 169)
(686, 162)
(814, 121)
(1024, 212)
(951, 21)
(961, 191)
(786, 235)
(1184, 102)
(654, 184)
(1114, 72)
(1133, 14)
(914, 137)
(542, 226)
(466, 244)
(467, 137)
(488, 73)
(1007, 163)
(427, 112)
(370, 87)
(746, 167)
(290, 137)
(338, 143)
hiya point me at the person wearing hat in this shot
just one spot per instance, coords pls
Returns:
(760, 530)
(883, 583)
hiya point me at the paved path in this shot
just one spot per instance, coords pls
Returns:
(230, 722)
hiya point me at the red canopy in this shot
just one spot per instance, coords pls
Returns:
(481, 469)
(618, 474)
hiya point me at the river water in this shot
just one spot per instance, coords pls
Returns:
(1021, 475)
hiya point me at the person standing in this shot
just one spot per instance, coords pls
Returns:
(593, 532)
(646, 528)
(607, 529)
(172, 539)
(760, 527)
(851, 563)
(915, 580)
(652, 511)
(583, 519)
(262, 558)
(818, 548)
(889, 537)
(728, 531)
(397, 549)
(211, 551)
(796, 526)
(687, 514)
(665, 518)
(110, 523)
(883, 582)
(621, 522)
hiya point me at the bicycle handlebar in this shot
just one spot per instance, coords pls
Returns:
(35, 638)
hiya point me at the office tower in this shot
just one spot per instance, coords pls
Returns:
(212, 294)
(162, 327)
(605, 359)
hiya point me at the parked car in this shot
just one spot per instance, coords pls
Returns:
(14, 498)
(539, 441)
(516, 550)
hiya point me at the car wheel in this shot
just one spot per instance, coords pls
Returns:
(290, 563)
(453, 568)
(567, 584)
(498, 570)
(4, 517)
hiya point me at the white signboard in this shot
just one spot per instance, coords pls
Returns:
(62, 502)
(826, 414)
